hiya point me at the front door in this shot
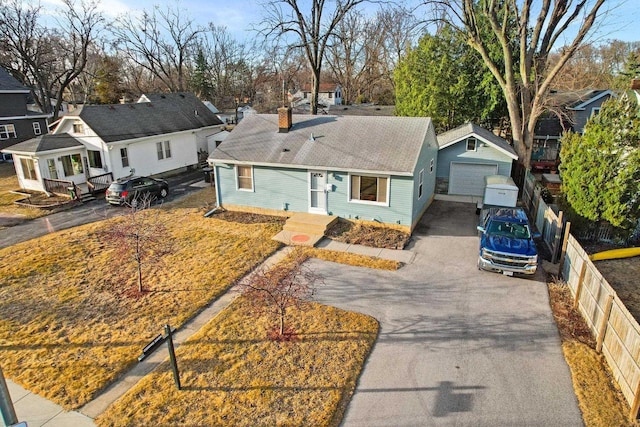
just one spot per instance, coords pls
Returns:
(318, 192)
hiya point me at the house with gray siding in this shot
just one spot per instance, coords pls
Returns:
(379, 169)
(566, 111)
(466, 155)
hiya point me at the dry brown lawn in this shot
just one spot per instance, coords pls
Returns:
(8, 183)
(600, 400)
(69, 320)
(232, 375)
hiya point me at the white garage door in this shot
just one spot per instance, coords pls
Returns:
(468, 178)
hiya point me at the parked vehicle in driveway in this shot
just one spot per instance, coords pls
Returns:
(131, 190)
(506, 242)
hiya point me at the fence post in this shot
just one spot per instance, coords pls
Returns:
(565, 243)
(603, 325)
(635, 405)
(557, 237)
(583, 270)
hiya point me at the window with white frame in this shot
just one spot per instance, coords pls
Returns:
(366, 188)
(431, 164)
(595, 111)
(7, 131)
(36, 128)
(472, 144)
(164, 150)
(95, 159)
(420, 183)
(28, 169)
(244, 177)
(124, 156)
(72, 165)
(78, 128)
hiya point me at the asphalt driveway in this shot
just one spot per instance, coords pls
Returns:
(457, 346)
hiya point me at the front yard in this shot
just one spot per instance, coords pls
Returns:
(9, 211)
(69, 323)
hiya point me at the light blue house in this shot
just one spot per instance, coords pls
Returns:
(466, 155)
(370, 168)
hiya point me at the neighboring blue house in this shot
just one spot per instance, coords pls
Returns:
(370, 168)
(466, 155)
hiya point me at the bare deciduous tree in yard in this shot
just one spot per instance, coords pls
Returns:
(526, 32)
(312, 28)
(140, 239)
(286, 285)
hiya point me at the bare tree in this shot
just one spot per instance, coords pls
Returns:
(162, 41)
(312, 29)
(526, 32)
(46, 59)
(140, 239)
(288, 284)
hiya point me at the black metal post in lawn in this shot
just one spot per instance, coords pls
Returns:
(172, 356)
(6, 405)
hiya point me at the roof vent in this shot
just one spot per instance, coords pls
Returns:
(311, 137)
(285, 150)
(195, 112)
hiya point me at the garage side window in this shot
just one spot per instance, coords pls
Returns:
(244, 177)
(420, 183)
(28, 169)
(472, 144)
(372, 189)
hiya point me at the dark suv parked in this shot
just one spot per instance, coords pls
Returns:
(132, 189)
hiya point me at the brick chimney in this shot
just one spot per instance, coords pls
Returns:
(284, 119)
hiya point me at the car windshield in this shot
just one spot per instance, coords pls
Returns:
(116, 187)
(509, 229)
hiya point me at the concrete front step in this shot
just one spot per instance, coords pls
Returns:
(311, 224)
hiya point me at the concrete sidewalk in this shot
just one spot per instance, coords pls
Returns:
(37, 411)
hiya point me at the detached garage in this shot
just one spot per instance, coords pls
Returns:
(466, 155)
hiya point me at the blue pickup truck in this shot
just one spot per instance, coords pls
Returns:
(506, 242)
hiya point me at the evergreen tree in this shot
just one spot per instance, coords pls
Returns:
(445, 79)
(201, 82)
(601, 169)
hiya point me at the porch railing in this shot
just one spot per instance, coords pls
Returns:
(62, 188)
(99, 183)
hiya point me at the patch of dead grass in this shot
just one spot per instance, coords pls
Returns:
(8, 183)
(232, 375)
(355, 260)
(600, 399)
(68, 323)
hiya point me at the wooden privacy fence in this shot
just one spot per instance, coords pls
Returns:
(617, 332)
(549, 223)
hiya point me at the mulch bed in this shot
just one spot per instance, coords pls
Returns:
(368, 235)
(249, 218)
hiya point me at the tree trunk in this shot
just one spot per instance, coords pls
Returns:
(282, 313)
(139, 276)
(315, 89)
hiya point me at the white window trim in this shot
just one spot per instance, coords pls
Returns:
(431, 165)
(10, 133)
(163, 148)
(475, 146)
(595, 110)
(237, 177)
(36, 128)
(420, 183)
(367, 202)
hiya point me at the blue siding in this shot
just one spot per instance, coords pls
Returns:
(398, 211)
(428, 153)
(273, 188)
(484, 154)
(277, 188)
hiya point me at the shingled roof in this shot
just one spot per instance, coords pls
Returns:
(351, 143)
(469, 129)
(46, 142)
(165, 113)
(9, 84)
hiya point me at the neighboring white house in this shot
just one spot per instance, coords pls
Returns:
(329, 94)
(159, 134)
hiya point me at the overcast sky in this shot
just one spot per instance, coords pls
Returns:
(239, 15)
